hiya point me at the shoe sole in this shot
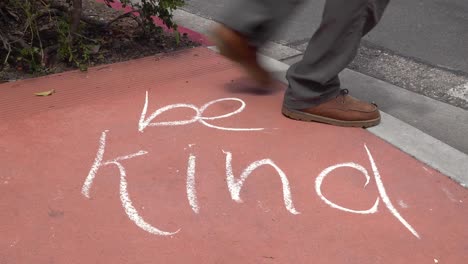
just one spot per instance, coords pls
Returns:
(298, 115)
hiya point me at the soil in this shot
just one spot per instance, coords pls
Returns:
(120, 42)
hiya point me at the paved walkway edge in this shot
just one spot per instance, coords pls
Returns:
(423, 147)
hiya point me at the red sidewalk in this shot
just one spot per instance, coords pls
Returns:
(165, 160)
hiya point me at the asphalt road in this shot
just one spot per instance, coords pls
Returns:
(433, 31)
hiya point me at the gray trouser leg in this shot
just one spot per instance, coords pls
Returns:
(258, 19)
(334, 45)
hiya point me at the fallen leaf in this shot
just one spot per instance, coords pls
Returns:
(46, 93)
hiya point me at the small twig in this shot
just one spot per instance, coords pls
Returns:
(7, 56)
(49, 12)
(22, 43)
(92, 40)
(7, 46)
(128, 14)
(43, 3)
(40, 45)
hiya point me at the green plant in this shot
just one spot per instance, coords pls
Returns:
(146, 10)
(34, 33)
(30, 57)
(75, 50)
(28, 49)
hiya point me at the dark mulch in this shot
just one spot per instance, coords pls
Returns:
(120, 42)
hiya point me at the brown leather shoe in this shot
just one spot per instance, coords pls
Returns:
(235, 47)
(344, 110)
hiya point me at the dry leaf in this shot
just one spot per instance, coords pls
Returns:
(46, 93)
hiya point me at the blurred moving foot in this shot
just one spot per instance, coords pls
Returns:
(236, 47)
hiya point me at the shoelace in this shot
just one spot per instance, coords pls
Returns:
(343, 94)
(344, 91)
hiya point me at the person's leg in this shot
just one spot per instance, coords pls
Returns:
(314, 82)
(246, 26)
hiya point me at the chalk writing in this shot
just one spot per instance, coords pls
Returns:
(198, 117)
(191, 191)
(324, 173)
(130, 210)
(385, 198)
(380, 187)
(234, 185)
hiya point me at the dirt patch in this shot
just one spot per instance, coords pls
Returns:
(121, 41)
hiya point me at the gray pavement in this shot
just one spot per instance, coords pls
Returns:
(431, 30)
